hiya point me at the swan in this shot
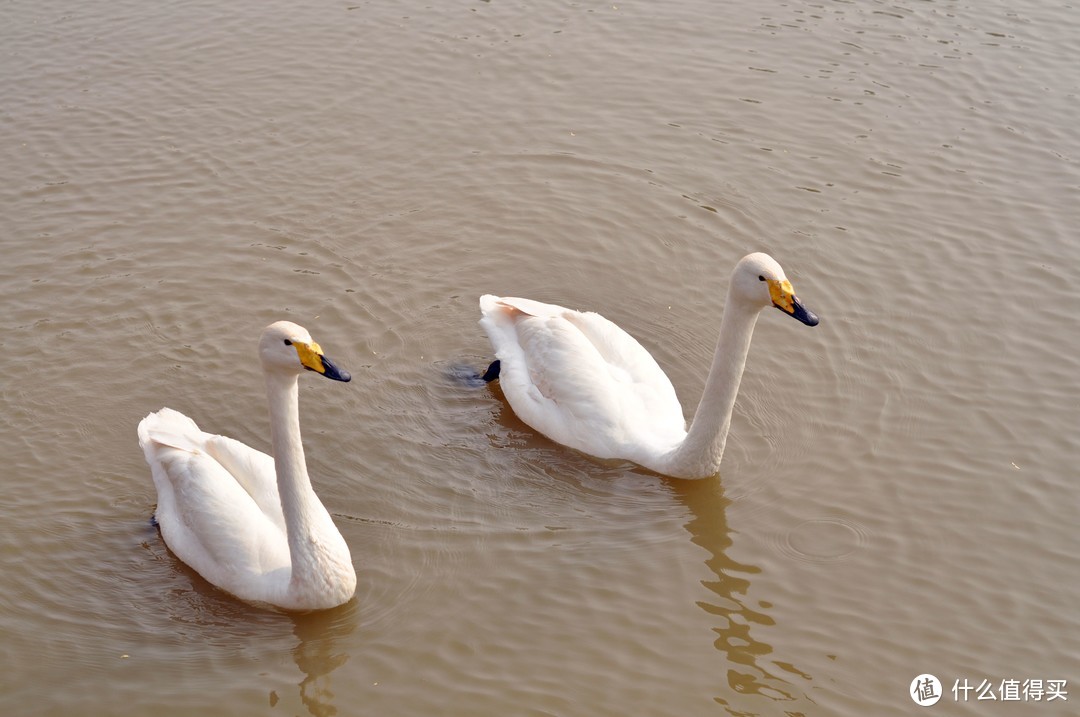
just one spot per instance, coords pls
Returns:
(584, 382)
(247, 522)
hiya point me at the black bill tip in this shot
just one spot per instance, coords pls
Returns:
(331, 371)
(801, 313)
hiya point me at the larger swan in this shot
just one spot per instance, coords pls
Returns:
(247, 522)
(584, 382)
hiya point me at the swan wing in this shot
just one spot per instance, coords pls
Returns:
(208, 516)
(582, 380)
(251, 468)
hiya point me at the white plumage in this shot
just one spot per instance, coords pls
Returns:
(252, 525)
(584, 382)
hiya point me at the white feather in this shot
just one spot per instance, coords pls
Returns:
(580, 379)
(220, 503)
(584, 382)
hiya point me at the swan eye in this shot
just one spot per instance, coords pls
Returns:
(288, 342)
(760, 278)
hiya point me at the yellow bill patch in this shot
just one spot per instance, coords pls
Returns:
(782, 294)
(310, 355)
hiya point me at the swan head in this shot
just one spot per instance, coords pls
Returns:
(288, 347)
(761, 281)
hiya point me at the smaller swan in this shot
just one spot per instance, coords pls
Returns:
(584, 382)
(247, 522)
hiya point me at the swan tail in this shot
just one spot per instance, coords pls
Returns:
(499, 316)
(169, 428)
(512, 305)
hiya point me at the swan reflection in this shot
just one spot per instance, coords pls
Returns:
(319, 653)
(752, 669)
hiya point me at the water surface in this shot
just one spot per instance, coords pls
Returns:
(899, 492)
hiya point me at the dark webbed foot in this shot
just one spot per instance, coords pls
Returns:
(468, 375)
(493, 372)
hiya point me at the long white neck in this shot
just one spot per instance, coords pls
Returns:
(301, 507)
(698, 456)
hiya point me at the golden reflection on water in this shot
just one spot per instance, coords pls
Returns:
(319, 652)
(747, 653)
